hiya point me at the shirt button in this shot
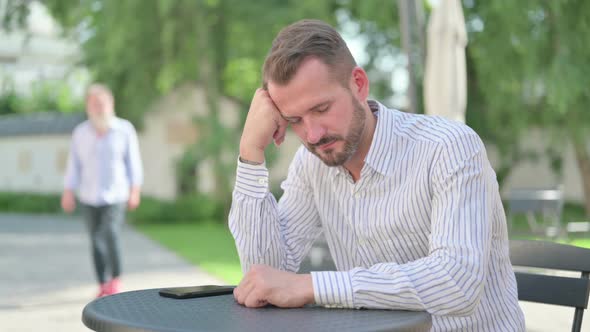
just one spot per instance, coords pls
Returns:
(263, 181)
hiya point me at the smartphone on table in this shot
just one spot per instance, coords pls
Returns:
(196, 291)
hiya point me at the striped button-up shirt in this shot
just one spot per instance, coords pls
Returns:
(422, 229)
(102, 169)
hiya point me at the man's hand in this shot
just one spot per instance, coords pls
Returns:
(134, 198)
(68, 201)
(264, 285)
(263, 125)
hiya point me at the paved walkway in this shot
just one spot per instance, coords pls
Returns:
(46, 275)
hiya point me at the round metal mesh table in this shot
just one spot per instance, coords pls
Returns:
(146, 310)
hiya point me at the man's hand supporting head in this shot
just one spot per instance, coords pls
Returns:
(263, 124)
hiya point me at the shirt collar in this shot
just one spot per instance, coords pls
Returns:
(379, 157)
(380, 153)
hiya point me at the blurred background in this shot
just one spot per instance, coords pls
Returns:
(184, 72)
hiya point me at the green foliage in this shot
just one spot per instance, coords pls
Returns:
(15, 13)
(528, 69)
(378, 24)
(45, 96)
(52, 96)
(144, 49)
(29, 202)
(10, 102)
(189, 208)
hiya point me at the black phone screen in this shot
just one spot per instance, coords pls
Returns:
(196, 291)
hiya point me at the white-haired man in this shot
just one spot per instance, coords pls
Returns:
(105, 171)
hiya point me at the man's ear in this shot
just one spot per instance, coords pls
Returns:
(359, 83)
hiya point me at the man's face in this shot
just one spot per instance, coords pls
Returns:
(100, 111)
(324, 114)
(336, 155)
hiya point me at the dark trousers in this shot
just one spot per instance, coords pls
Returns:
(104, 226)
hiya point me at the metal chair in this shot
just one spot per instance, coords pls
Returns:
(534, 203)
(548, 289)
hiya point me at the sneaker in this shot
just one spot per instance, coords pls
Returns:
(103, 290)
(114, 286)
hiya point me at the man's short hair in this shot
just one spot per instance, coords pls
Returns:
(100, 90)
(304, 39)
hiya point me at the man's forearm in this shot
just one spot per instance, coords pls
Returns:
(251, 156)
(251, 222)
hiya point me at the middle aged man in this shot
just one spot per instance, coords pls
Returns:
(409, 203)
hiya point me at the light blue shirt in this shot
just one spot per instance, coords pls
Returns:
(102, 169)
(423, 229)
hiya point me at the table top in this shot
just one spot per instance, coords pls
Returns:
(146, 310)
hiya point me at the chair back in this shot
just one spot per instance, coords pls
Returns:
(548, 289)
(542, 207)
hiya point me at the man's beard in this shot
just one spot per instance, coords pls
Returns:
(331, 157)
(101, 122)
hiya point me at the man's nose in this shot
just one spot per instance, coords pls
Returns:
(315, 132)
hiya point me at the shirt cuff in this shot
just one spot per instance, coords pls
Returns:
(333, 289)
(252, 180)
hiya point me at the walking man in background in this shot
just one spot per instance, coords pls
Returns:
(105, 173)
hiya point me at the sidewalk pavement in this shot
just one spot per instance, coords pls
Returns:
(46, 273)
